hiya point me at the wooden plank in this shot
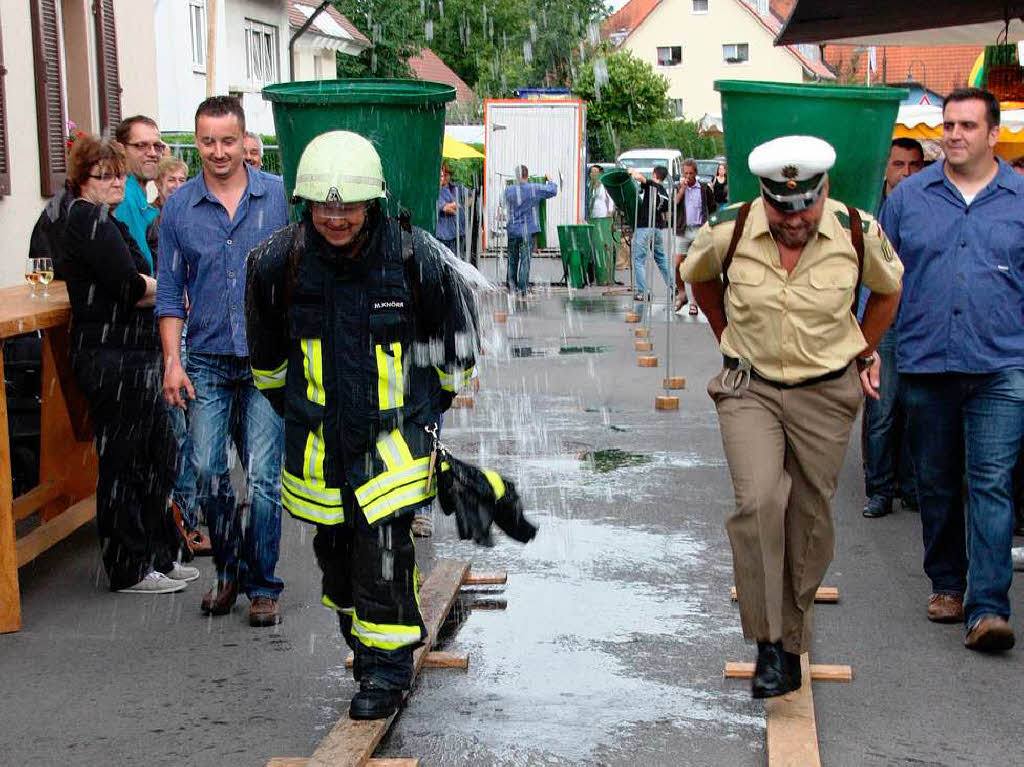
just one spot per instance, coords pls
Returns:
(791, 736)
(829, 594)
(488, 604)
(10, 596)
(301, 761)
(819, 672)
(57, 529)
(486, 579)
(26, 504)
(434, 660)
(350, 743)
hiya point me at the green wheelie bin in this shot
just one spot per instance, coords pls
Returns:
(604, 250)
(403, 118)
(576, 244)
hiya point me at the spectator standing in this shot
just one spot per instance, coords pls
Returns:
(653, 209)
(601, 203)
(116, 364)
(521, 201)
(140, 137)
(451, 219)
(253, 150)
(695, 202)
(958, 227)
(209, 226)
(888, 465)
(720, 184)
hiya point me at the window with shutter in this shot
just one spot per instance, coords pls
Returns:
(53, 161)
(5, 167)
(106, 66)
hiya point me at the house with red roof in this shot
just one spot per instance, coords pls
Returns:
(695, 42)
(427, 65)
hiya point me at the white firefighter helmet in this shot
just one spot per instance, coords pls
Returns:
(339, 167)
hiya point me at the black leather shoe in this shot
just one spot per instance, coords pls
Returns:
(793, 668)
(877, 506)
(771, 677)
(374, 703)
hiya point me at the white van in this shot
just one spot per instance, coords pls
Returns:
(645, 160)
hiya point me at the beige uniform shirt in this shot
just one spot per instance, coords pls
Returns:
(792, 327)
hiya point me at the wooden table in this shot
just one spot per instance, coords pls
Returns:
(65, 498)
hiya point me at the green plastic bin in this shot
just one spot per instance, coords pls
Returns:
(576, 242)
(403, 118)
(623, 191)
(856, 121)
(604, 250)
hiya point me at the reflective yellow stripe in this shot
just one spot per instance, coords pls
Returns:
(400, 498)
(313, 457)
(390, 385)
(455, 381)
(313, 366)
(385, 636)
(309, 502)
(270, 379)
(389, 480)
(393, 449)
(497, 483)
(326, 601)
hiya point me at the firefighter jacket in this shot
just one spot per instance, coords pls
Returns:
(358, 355)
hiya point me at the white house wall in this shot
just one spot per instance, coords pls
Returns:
(702, 35)
(258, 115)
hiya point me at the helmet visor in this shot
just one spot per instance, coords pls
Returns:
(338, 210)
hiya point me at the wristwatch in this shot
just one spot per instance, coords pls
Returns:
(863, 363)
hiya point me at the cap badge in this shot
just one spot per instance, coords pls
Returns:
(790, 172)
(333, 195)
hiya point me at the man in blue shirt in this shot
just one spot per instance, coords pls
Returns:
(959, 229)
(143, 150)
(521, 201)
(207, 230)
(451, 207)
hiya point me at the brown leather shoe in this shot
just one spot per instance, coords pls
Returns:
(220, 599)
(946, 608)
(990, 633)
(263, 612)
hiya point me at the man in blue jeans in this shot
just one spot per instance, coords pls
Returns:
(208, 228)
(521, 201)
(958, 228)
(654, 204)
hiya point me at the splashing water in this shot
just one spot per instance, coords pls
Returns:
(428, 30)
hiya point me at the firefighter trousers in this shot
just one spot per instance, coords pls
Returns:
(370, 578)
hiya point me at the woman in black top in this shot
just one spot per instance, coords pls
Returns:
(720, 184)
(115, 355)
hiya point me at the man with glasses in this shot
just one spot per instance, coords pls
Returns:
(207, 229)
(143, 149)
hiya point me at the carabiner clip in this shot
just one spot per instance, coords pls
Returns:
(736, 380)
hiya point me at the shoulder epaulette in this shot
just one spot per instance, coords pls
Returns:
(844, 220)
(725, 214)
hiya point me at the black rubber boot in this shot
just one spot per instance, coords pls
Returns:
(372, 702)
(771, 677)
(793, 667)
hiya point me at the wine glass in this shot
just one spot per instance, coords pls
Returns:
(44, 268)
(31, 276)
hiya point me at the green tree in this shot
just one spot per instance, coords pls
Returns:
(396, 31)
(672, 134)
(622, 93)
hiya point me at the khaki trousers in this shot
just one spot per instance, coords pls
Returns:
(785, 448)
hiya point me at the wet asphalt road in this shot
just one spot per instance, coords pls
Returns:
(618, 621)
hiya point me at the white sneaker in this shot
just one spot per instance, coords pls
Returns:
(182, 573)
(1017, 555)
(155, 583)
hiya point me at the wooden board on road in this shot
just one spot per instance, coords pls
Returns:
(823, 594)
(791, 736)
(819, 672)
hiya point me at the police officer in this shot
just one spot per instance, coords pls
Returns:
(359, 334)
(792, 261)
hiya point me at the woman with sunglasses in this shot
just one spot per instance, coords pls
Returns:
(116, 362)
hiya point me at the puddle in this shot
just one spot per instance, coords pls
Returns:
(609, 460)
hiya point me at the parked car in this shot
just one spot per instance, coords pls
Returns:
(645, 160)
(706, 169)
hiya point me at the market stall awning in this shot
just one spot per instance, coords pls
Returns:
(902, 22)
(924, 123)
(454, 149)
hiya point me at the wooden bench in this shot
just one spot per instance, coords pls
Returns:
(64, 499)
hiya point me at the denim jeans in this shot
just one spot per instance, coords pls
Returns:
(184, 492)
(888, 466)
(228, 408)
(641, 239)
(980, 418)
(518, 277)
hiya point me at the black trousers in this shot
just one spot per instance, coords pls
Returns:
(137, 458)
(370, 578)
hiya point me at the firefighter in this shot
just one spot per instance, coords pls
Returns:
(360, 333)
